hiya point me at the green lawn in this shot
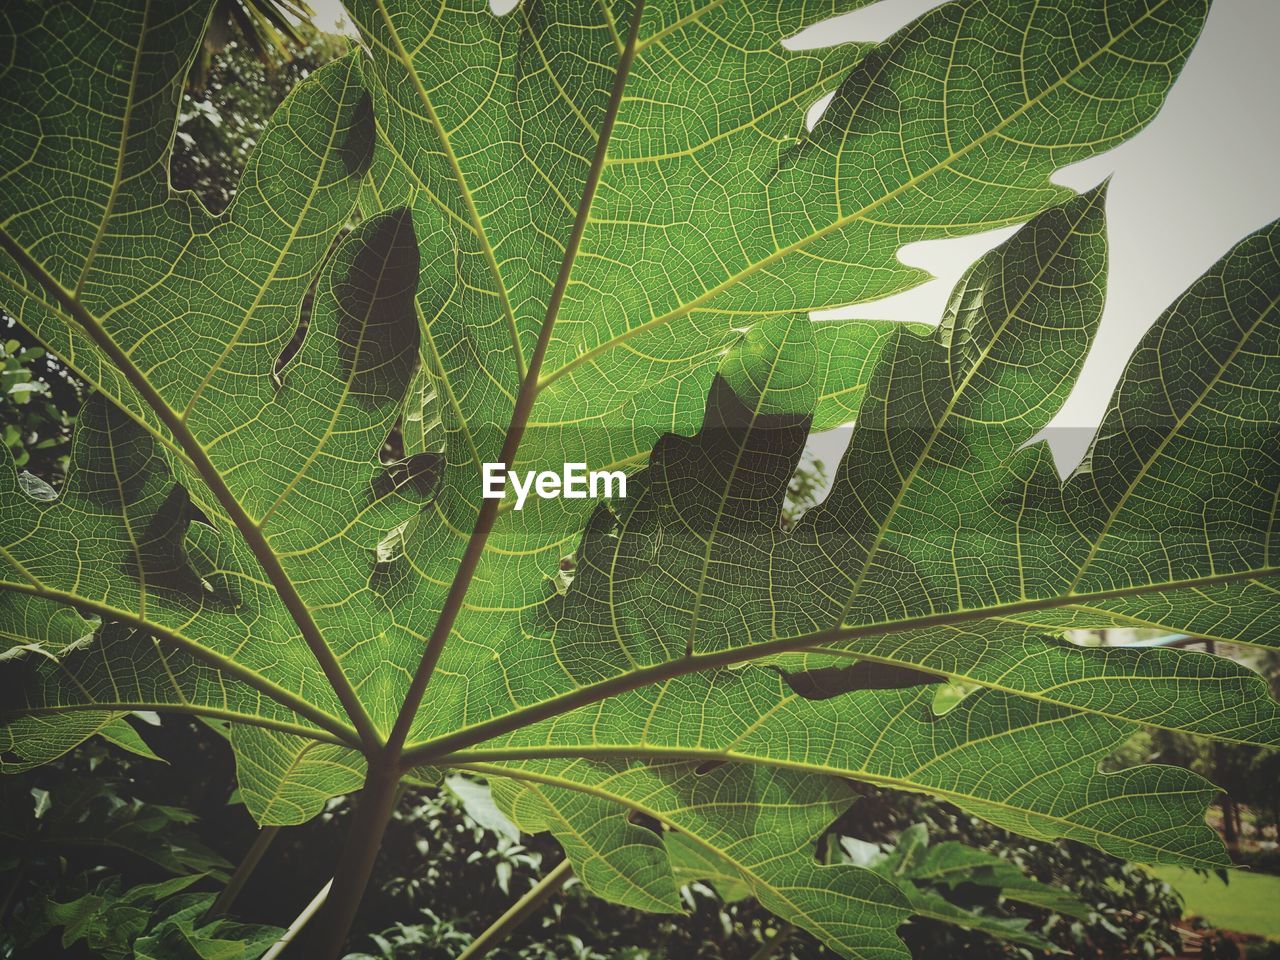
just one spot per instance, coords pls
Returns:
(1249, 904)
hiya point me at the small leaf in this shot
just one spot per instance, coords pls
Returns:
(121, 733)
(42, 801)
(478, 804)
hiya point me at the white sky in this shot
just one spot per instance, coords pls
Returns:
(1184, 190)
(1199, 178)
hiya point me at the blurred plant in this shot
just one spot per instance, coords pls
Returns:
(222, 117)
(267, 28)
(1269, 950)
(155, 921)
(38, 398)
(958, 884)
(808, 486)
(1248, 775)
(95, 870)
(1127, 913)
(452, 866)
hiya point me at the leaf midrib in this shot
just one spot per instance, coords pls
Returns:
(437, 748)
(525, 399)
(464, 191)
(692, 756)
(190, 709)
(223, 664)
(1042, 695)
(285, 249)
(942, 423)
(1170, 435)
(121, 146)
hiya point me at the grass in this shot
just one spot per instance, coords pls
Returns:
(1249, 904)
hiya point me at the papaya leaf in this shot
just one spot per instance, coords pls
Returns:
(593, 233)
(993, 754)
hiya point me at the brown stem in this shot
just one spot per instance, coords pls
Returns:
(520, 911)
(324, 939)
(244, 870)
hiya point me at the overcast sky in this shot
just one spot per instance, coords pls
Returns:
(1199, 178)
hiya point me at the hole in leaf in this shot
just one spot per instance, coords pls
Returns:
(162, 551)
(35, 488)
(414, 476)
(815, 475)
(823, 683)
(815, 112)
(872, 23)
(304, 312)
(392, 450)
(641, 819)
(563, 577)
(949, 695)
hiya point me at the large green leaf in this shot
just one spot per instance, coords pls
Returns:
(592, 232)
(947, 536)
(952, 126)
(1022, 755)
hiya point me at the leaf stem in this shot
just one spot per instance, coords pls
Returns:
(302, 919)
(519, 912)
(375, 804)
(244, 870)
(529, 388)
(249, 530)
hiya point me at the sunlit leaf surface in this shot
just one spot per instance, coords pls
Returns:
(593, 232)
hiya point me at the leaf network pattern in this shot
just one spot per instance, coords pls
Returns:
(594, 231)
